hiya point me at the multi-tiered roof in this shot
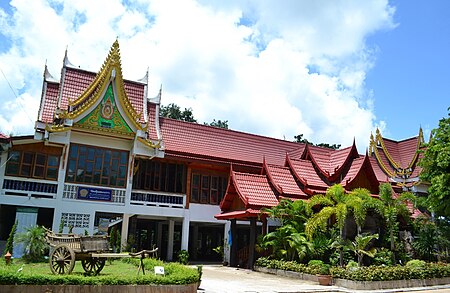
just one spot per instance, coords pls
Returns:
(263, 170)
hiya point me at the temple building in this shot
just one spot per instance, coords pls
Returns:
(102, 158)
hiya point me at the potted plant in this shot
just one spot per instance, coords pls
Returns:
(324, 276)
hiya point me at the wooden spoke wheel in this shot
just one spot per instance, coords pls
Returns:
(62, 260)
(93, 264)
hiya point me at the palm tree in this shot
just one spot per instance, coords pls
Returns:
(392, 208)
(34, 243)
(337, 206)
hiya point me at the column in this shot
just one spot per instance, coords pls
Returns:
(227, 242)
(170, 240)
(185, 232)
(194, 240)
(124, 232)
(234, 248)
(251, 252)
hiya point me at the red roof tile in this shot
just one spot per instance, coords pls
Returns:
(228, 145)
(379, 173)
(283, 180)
(305, 172)
(49, 102)
(402, 152)
(254, 190)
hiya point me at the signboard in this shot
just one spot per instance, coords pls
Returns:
(94, 194)
(159, 270)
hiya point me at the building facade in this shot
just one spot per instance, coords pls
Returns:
(101, 158)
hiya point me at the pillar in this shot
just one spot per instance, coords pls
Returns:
(251, 248)
(194, 242)
(185, 232)
(227, 242)
(170, 240)
(234, 243)
(124, 232)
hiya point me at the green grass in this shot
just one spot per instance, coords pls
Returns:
(119, 272)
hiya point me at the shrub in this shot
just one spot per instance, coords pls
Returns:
(416, 263)
(34, 243)
(10, 242)
(383, 257)
(183, 257)
(385, 273)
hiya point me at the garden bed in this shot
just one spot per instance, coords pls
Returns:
(117, 274)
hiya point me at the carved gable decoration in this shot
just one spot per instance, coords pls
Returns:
(106, 117)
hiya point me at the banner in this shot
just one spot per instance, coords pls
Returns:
(94, 194)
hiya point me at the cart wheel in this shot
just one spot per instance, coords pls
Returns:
(93, 264)
(62, 260)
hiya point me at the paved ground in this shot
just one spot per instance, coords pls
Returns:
(220, 279)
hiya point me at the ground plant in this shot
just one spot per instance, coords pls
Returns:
(119, 272)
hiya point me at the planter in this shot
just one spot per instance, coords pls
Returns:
(324, 280)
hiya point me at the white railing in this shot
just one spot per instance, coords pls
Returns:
(29, 187)
(151, 198)
(117, 195)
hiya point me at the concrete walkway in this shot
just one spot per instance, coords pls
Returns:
(220, 279)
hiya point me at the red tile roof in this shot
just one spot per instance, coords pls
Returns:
(283, 180)
(305, 173)
(47, 109)
(194, 140)
(254, 190)
(402, 152)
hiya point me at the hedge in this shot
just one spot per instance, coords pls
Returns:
(371, 273)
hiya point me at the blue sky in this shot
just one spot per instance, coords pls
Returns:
(411, 77)
(331, 70)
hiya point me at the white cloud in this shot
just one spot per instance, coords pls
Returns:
(268, 67)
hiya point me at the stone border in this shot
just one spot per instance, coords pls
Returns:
(190, 288)
(360, 285)
(395, 284)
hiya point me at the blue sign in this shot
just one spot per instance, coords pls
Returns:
(94, 194)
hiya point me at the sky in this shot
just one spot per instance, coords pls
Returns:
(333, 71)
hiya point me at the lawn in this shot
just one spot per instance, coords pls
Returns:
(117, 272)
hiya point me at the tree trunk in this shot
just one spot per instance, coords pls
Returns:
(341, 251)
(391, 235)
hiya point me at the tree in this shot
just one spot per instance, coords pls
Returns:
(173, 111)
(336, 206)
(436, 168)
(219, 123)
(299, 139)
(392, 208)
(10, 242)
(34, 243)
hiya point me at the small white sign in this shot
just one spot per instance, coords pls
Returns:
(159, 270)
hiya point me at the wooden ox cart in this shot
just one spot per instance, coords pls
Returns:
(91, 250)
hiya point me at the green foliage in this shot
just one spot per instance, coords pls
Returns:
(219, 123)
(34, 243)
(389, 273)
(427, 238)
(316, 267)
(383, 257)
(299, 139)
(118, 273)
(173, 111)
(435, 165)
(10, 241)
(416, 263)
(289, 241)
(61, 226)
(183, 257)
(360, 246)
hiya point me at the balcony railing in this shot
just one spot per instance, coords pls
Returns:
(158, 199)
(29, 188)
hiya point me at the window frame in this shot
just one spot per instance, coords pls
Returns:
(94, 165)
(32, 165)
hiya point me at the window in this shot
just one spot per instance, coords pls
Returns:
(98, 166)
(208, 188)
(32, 165)
(159, 176)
